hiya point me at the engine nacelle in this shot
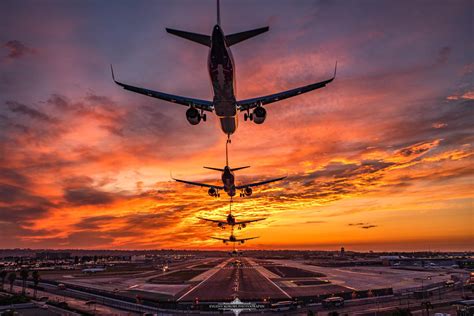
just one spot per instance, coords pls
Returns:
(242, 241)
(248, 191)
(220, 225)
(212, 192)
(259, 114)
(193, 116)
(243, 225)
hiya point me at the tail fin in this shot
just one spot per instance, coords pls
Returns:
(233, 39)
(218, 13)
(198, 38)
(215, 169)
(240, 168)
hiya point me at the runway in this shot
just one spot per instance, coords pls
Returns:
(236, 280)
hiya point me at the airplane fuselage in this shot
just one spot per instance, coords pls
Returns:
(230, 220)
(228, 181)
(222, 73)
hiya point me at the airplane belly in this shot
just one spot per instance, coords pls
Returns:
(229, 124)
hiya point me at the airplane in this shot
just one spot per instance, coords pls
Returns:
(231, 221)
(228, 181)
(233, 239)
(222, 74)
(235, 252)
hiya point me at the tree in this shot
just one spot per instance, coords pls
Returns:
(36, 278)
(24, 276)
(11, 279)
(3, 275)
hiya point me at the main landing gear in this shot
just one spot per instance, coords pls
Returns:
(248, 116)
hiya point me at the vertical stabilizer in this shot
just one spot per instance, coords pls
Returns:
(218, 13)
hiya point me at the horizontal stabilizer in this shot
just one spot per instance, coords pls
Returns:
(240, 168)
(215, 169)
(198, 38)
(233, 39)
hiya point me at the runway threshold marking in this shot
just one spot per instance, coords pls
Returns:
(218, 268)
(262, 274)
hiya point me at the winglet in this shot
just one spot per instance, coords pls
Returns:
(335, 70)
(112, 71)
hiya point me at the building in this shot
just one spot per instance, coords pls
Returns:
(47, 255)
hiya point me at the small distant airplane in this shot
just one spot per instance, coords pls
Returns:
(235, 252)
(231, 221)
(228, 181)
(222, 73)
(233, 239)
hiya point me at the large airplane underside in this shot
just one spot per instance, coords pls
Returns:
(222, 74)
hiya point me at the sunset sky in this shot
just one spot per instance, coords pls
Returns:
(380, 159)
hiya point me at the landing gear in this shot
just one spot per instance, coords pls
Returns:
(203, 116)
(248, 116)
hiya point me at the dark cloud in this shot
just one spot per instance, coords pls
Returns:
(16, 194)
(14, 177)
(443, 55)
(95, 222)
(368, 226)
(87, 196)
(21, 214)
(17, 107)
(17, 49)
(363, 225)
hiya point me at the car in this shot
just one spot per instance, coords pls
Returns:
(43, 306)
(335, 301)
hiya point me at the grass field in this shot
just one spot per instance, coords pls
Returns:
(291, 272)
(176, 277)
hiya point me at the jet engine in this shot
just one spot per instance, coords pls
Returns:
(221, 225)
(248, 191)
(259, 114)
(193, 116)
(243, 225)
(242, 241)
(213, 192)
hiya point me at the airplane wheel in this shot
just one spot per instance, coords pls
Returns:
(246, 116)
(251, 116)
(204, 117)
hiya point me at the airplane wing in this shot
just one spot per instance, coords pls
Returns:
(250, 221)
(197, 103)
(256, 184)
(200, 184)
(248, 104)
(213, 220)
(244, 239)
(217, 238)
